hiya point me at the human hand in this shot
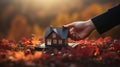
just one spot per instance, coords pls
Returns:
(80, 30)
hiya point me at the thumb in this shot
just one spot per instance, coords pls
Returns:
(69, 25)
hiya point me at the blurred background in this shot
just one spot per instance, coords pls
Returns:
(21, 18)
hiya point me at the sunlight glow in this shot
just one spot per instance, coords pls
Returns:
(52, 3)
(47, 7)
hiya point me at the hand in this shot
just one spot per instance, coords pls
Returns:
(80, 30)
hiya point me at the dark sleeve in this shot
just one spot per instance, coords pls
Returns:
(108, 20)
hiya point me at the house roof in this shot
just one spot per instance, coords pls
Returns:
(63, 33)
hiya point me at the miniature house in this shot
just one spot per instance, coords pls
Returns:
(56, 36)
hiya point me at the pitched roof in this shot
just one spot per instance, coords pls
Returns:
(63, 33)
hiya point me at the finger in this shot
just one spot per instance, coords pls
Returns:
(77, 37)
(74, 36)
(71, 35)
(69, 25)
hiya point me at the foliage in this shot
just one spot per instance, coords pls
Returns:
(103, 52)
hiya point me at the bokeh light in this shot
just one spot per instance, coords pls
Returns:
(24, 17)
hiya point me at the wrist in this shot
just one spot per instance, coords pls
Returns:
(90, 23)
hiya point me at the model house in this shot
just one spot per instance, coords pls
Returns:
(56, 36)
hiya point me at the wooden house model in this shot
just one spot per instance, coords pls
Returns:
(56, 36)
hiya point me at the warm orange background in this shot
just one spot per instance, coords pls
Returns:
(21, 18)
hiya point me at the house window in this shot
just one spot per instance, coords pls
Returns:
(60, 41)
(54, 35)
(54, 41)
(48, 41)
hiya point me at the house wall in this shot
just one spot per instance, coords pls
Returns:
(50, 36)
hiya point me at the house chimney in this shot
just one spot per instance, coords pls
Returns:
(51, 28)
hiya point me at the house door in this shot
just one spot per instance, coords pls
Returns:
(48, 41)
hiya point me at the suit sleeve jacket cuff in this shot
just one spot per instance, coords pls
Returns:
(107, 20)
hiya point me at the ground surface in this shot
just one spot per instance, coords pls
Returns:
(103, 52)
